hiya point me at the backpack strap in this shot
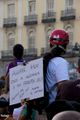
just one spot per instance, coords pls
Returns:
(52, 88)
(14, 63)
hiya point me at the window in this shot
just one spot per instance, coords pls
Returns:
(69, 4)
(69, 28)
(11, 41)
(31, 42)
(48, 32)
(50, 5)
(11, 10)
(31, 7)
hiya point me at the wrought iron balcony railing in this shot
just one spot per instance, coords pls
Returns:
(49, 17)
(9, 22)
(7, 54)
(30, 20)
(68, 14)
(30, 51)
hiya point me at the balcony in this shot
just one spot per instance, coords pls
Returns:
(48, 17)
(30, 51)
(68, 14)
(9, 22)
(30, 20)
(7, 54)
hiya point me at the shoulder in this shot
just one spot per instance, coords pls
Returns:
(12, 64)
(58, 61)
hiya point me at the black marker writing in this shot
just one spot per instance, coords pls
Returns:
(14, 97)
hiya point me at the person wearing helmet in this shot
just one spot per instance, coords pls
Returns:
(57, 70)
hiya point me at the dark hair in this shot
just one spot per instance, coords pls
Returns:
(54, 52)
(67, 115)
(18, 50)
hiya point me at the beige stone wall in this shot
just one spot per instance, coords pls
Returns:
(21, 35)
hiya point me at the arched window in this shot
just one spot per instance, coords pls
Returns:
(69, 28)
(11, 8)
(48, 31)
(50, 5)
(11, 41)
(31, 7)
(69, 4)
(31, 40)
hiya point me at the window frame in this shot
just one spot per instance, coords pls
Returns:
(33, 2)
(11, 10)
(67, 4)
(31, 39)
(49, 5)
(69, 29)
(10, 40)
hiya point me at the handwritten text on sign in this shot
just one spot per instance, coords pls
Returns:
(26, 81)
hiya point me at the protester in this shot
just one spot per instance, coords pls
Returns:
(57, 71)
(67, 115)
(18, 112)
(3, 97)
(2, 84)
(18, 50)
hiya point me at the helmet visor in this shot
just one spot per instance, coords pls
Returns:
(58, 41)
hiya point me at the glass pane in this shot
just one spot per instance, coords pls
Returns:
(69, 3)
(31, 7)
(50, 5)
(31, 39)
(31, 43)
(47, 37)
(70, 31)
(11, 43)
(11, 10)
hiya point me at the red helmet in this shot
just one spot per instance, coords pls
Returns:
(59, 37)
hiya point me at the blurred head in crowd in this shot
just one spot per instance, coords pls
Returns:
(18, 50)
(67, 115)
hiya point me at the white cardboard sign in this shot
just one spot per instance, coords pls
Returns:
(26, 81)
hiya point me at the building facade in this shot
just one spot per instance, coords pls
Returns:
(30, 22)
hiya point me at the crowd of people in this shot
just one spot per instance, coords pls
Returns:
(57, 76)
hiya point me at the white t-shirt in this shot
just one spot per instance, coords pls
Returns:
(57, 71)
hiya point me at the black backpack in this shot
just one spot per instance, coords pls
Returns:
(41, 103)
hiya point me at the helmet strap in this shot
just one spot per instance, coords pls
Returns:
(62, 48)
(55, 46)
